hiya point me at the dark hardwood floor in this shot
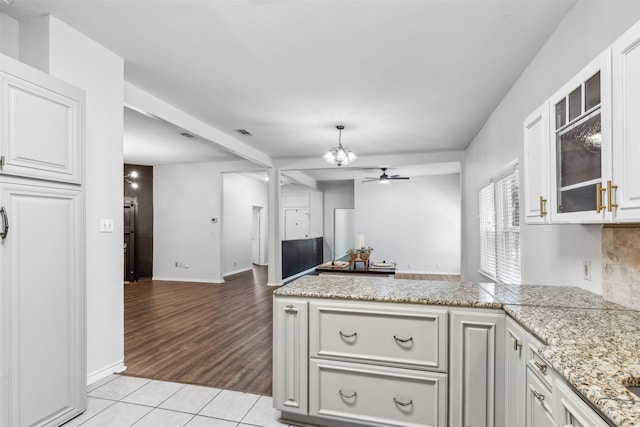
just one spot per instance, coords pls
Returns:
(218, 335)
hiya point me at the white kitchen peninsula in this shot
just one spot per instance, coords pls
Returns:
(385, 352)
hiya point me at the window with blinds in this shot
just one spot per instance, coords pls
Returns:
(500, 228)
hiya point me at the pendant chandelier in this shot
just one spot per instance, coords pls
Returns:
(340, 155)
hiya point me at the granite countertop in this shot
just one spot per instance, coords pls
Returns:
(593, 343)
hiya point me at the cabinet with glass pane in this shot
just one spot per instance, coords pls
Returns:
(580, 132)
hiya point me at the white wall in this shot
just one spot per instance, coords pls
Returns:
(336, 195)
(415, 223)
(239, 195)
(185, 199)
(551, 254)
(80, 61)
(9, 30)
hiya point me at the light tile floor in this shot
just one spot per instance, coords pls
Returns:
(119, 401)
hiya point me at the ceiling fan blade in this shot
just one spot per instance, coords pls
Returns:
(399, 177)
(371, 177)
(371, 180)
(394, 176)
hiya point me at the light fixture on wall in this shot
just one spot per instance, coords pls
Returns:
(132, 175)
(340, 155)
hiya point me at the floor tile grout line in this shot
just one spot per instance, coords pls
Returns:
(252, 406)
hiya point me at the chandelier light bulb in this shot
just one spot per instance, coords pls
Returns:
(340, 155)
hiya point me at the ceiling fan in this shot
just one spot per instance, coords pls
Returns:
(384, 178)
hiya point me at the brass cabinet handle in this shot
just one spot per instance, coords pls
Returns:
(399, 403)
(516, 344)
(5, 222)
(348, 396)
(401, 340)
(610, 204)
(599, 190)
(538, 396)
(541, 367)
(542, 202)
(343, 335)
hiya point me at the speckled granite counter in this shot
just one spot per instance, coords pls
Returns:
(593, 343)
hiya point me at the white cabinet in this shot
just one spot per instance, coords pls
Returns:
(41, 125)
(536, 166)
(626, 126)
(42, 315)
(42, 280)
(571, 411)
(515, 375)
(476, 371)
(290, 364)
(391, 334)
(377, 395)
(539, 400)
(580, 154)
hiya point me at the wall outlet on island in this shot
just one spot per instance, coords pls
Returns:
(586, 270)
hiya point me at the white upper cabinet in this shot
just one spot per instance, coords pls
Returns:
(580, 154)
(40, 125)
(536, 166)
(626, 127)
(592, 147)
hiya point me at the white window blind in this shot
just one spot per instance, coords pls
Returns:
(487, 232)
(500, 228)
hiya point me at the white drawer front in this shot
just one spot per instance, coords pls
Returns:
(536, 363)
(376, 395)
(387, 333)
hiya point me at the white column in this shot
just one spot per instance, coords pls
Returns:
(274, 239)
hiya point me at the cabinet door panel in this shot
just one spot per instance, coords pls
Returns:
(539, 399)
(626, 138)
(290, 365)
(41, 126)
(536, 165)
(515, 347)
(43, 314)
(476, 369)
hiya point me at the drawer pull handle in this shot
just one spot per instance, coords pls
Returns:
(399, 403)
(353, 335)
(410, 339)
(538, 396)
(348, 396)
(541, 367)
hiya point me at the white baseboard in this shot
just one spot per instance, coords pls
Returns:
(185, 279)
(115, 368)
(242, 270)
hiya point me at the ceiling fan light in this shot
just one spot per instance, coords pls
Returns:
(384, 180)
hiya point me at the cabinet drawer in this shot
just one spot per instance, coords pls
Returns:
(536, 363)
(380, 333)
(539, 402)
(377, 395)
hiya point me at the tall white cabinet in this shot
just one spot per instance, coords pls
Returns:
(42, 285)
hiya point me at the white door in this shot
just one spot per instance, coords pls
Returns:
(42, 314)
(256, 236)
(296, 224)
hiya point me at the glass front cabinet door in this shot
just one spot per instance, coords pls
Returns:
(581, 146)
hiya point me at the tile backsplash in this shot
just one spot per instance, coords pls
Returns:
(621, 265)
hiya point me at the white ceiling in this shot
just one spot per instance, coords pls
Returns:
(402, 76)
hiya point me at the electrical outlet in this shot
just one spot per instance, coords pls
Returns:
(106, 226)
(586, 270)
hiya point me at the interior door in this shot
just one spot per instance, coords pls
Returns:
(296, 224)
(256, 241)
(130, 216)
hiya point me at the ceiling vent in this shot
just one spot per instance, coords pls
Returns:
(187, 135)
(244, 132)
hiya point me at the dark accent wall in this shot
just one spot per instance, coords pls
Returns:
(300, 255)
(144, 221)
